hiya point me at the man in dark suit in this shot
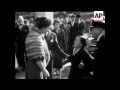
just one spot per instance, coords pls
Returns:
(73, 33)
(66, 27)
(54, 48)
(98, 32)
(21, 32)
(73, 17)
(79, 25)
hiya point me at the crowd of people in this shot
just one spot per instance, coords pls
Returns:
(39, 47)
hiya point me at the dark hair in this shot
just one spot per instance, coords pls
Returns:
(78, 16)
(25, 21)
(61, 16)
(83, 41)
(42, 22)
(56, 21)
(73, 16)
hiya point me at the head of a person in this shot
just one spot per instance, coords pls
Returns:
(43, 24)
(61, 18)
(79, 42)
(65, 21)
(20, 20)
(56, 24)
(31, 20)
(78, 17)
(73, 17)
(97, 29)
(26, 22)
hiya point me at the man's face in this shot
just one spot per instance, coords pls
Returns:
(61, 20)
(31, 20)
(20, 20)
(77, 19)
(73, 18)
(95, 32)
(44, 30)
(56, 25)
(65, 20)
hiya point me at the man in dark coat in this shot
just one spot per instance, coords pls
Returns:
(54, 48)
(79, 25)
(98, 32)
(73, 33)
(21, 32)
(66, 28)
(71, 23)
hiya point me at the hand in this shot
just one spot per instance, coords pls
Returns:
(68, 56)
(81, 66)
(91, 73)
(45, 73)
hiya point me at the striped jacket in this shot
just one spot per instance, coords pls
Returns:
(36, 46)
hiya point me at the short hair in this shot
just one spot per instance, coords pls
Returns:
(73, 16)
(83, 41)
(61, 16)
(25, 21)
(56, 21)
(78, 16)
(42, 22)
(21, 17)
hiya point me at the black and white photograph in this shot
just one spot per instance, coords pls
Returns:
(59, 44)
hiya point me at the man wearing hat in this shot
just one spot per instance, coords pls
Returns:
(98, 32)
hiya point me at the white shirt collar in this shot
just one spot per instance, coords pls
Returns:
(65, 25)
(72, 23)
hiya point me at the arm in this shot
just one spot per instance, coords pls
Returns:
(57, 47)
(36, 52)
(88, 61)
(40, 64)
(64, 42)
(69, 33)
(89, 55)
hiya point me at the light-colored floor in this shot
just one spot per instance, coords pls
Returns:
(21, 74)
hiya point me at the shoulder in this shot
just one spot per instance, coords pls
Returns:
(61, 31)
(53, 33)
(69, 22)
(75, 22)
(68, 25)
(62, 25)
(53, 30)
(34, 36)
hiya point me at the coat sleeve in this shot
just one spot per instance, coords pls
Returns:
(64, 41)
(57, 47)
(88, 62)
(34, 47)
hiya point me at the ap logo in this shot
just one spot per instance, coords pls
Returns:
(98, 16)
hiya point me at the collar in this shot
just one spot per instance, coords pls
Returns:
(65, 25)
(74, 52)
(99, 37)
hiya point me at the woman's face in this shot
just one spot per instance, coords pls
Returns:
(46, 29)
(56, 25)
(77, 42)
